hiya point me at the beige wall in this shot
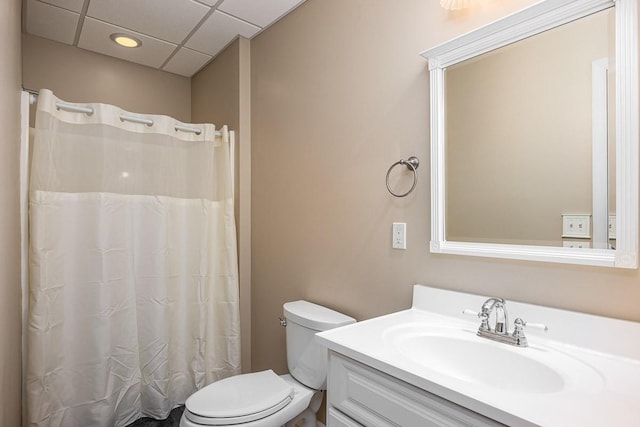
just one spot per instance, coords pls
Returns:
(214, 89)
(339, 94)
(220, 94)
(10, 294)
(77, 75)
(243, 186)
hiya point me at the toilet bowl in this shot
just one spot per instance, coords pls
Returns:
(264, 399)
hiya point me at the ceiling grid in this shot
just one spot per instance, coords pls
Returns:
(178, 36)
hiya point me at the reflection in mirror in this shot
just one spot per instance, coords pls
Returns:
(519, 138)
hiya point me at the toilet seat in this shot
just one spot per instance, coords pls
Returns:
(239, 399)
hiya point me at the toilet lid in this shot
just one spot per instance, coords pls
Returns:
(239, 399)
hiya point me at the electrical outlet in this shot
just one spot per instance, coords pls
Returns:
(399, 235)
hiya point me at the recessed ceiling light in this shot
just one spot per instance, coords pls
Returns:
(125, 40)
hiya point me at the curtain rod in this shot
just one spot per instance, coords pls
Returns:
(124, 117)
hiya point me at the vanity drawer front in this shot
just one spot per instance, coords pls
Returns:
(336, 418)
(373, 398)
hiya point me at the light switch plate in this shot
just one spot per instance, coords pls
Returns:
(576, 226)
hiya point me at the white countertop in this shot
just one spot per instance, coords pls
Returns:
(607, 349)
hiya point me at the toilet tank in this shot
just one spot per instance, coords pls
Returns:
(307, 360)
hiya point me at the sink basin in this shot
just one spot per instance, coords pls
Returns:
(461, 354)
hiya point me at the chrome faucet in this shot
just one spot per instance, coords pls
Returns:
(500, 331)
(502, 319)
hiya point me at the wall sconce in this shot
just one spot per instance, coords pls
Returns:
(455, 4)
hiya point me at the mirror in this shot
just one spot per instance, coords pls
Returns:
(534, 132)
(495, 105)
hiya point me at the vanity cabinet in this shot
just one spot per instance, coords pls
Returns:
(427, 366)
(359, 395)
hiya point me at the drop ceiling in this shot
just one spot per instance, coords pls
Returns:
(178, 36)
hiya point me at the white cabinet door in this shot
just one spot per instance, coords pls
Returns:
(373, 398)
(336, 418)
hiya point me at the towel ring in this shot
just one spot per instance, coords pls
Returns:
(412, 164)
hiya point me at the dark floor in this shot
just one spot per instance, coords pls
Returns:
(172, 421)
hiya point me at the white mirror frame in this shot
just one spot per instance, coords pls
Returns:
(535, 19)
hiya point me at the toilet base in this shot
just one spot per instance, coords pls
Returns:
(308, 418)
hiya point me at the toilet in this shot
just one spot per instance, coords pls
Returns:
(264, 399)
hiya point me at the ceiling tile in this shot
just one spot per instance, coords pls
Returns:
(95, 37)
(218, 31)
(261, 13)
(51, 22)
(162, 25)
(73, 5)
(169, 20)
(186, 62)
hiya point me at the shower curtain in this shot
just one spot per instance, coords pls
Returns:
(133, 296)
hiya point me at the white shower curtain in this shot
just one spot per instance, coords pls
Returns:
(133, 300)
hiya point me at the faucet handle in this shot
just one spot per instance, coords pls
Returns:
(479, 314)
(519, 324)
(482, 315)
(471, 312)
(540, 326)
